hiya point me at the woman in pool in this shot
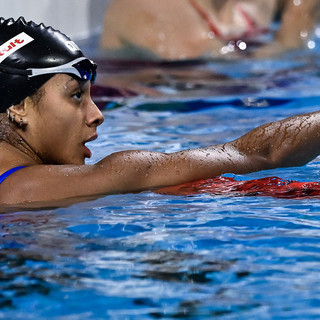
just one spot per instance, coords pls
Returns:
(47, 116)
(193, 29)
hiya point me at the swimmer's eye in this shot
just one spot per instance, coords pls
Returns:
(77, 95)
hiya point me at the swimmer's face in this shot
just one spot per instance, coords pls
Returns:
(63, 121)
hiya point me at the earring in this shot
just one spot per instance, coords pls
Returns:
(21, 122)
(12, 118)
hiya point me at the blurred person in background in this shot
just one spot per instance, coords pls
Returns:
(193, 29)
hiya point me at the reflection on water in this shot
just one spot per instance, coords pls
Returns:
(149, 256)
(137, 83)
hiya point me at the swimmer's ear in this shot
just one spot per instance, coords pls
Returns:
(19, 111)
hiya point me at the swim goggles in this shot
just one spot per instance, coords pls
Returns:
(83, 68)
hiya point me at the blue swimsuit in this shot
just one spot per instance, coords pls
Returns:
(7, 173)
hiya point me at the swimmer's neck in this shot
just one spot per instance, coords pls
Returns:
(13, 144)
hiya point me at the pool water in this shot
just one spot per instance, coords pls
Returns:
(153, 256)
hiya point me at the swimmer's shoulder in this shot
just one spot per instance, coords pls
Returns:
(33, 184)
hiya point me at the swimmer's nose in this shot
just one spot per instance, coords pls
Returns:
(94, 116)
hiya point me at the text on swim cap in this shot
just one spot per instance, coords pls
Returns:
(13, 45)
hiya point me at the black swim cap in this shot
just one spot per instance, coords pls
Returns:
(30, 54)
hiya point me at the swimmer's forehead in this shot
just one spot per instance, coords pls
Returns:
(69, 81)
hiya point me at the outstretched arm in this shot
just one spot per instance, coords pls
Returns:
(290, 142)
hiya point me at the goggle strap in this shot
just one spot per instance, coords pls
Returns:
(65, 68)
(68, 68)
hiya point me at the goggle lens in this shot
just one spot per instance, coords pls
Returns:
(87, 70)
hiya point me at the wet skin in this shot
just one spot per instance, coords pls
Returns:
(57, 128)
(51, 145)
(65, 119)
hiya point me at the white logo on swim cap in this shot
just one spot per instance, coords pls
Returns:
(13, 45)
(72, 46)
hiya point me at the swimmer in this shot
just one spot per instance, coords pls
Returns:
(47, 117)
(193, 29)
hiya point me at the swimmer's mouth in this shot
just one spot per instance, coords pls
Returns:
(94, 137)
(87, 150)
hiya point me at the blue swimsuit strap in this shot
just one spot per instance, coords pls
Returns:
(7, 173)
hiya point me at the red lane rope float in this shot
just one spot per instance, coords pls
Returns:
(270, 186)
